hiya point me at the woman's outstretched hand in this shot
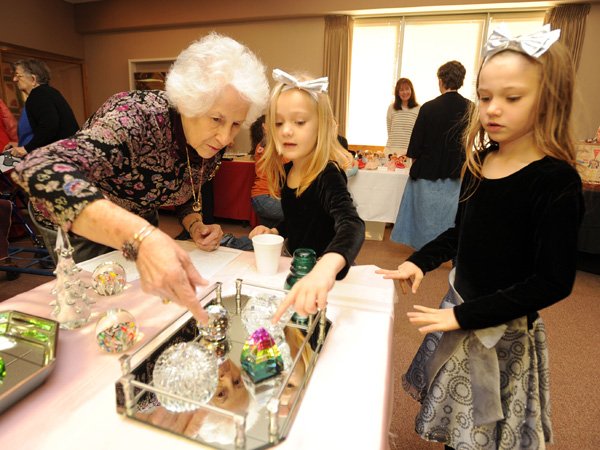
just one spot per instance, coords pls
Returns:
(408, 274)
(166, 270)
(431, 319)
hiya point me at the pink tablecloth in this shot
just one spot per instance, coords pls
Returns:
(346, 404)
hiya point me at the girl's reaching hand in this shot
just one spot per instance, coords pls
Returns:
(261, 229)
(408, 273)
(310, 292)
(431, 319)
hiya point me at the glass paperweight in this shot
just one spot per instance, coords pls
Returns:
(186, 369)
(109, 278)
(218, 323)
(116, 330)
(259, 311)
(260, 357)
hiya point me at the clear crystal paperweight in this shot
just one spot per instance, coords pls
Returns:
(241, 413)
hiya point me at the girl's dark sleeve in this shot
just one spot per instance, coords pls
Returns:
(349, 227)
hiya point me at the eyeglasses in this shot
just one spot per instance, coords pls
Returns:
(19, 75)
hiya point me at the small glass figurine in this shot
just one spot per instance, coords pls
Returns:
(109, 278)
(72, 307)
(260, 357)
(259, 311)
(186, 369)
(116, 331)
(218, 323)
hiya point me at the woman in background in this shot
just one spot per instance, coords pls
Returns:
(48, 113)
(401, 117)
(430, 198)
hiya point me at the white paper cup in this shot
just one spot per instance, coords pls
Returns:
(267, 250)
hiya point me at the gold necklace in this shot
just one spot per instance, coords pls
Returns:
(197, 205)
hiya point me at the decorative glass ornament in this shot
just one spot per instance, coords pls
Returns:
(259, 311)
(220, 348)
(260, 357)
(218, 323)
(72, 307)
(188, 370)
(116, 331)
(109, 278)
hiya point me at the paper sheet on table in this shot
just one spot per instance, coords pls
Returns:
(207, 263)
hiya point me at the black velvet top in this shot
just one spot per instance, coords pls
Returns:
(50, 116)
(515, 243)
(323, 217)
(436, 139)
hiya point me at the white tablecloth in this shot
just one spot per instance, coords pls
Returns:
(345, 406)
(378, 193)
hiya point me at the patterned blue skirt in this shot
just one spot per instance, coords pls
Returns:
(485, 389)
(428, 208)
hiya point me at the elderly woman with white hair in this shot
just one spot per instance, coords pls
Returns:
(146, 149)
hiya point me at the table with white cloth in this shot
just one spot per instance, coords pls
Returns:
(346, 405)
(377, 195)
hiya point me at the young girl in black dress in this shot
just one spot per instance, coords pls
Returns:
(317, 207)
(482, 371)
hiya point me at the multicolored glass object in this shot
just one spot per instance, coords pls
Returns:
(261, 357)
(109, 278)
(116, 331)
(188, 370)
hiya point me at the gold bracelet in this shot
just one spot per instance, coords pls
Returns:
(131, 246)
(192, 224)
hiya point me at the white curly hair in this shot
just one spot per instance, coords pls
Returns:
(201, 71)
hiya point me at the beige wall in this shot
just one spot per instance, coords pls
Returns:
(290, 44)
(293, 42)
(46, 25)
(119, 14)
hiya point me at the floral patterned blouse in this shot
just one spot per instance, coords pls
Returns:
(132, 151)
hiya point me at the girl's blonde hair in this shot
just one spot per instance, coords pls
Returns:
(552, 128)
(327, 149)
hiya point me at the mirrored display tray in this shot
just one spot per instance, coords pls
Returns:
(241, 414)
(27, 354)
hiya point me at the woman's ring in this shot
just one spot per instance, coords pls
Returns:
(165, 301)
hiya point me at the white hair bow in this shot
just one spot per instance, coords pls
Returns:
(313, 87)
(534, 44)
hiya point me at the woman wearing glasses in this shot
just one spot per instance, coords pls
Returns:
(49, 114)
